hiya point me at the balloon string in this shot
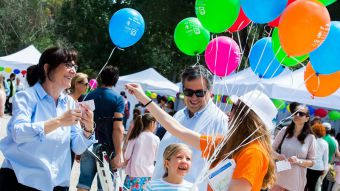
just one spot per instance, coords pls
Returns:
(101, 70)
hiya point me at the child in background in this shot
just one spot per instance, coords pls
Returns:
(141, 152)
(177, 163)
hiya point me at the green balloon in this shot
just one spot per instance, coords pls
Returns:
(281, 55)
(191, 37)
(334, 115)
(217, 15)
(327, 2)
(1, 68)
(148, 93)
(279, 104)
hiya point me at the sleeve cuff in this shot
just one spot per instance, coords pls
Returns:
(39, 129)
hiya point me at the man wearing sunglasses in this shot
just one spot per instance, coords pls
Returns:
(200, 115)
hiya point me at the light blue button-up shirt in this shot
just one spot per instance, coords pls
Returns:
(41, 161)
(209, 120)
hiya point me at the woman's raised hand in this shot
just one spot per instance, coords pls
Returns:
(87, 118)
(136, 90)
(70, 117)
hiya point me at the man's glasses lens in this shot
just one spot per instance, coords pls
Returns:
(190, 93)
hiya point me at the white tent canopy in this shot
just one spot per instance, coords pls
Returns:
(20, 60)
(288, 86)
(151, 80)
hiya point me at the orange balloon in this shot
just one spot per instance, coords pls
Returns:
(304, 25)
(321, 85)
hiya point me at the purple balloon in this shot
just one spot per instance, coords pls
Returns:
(222, 56)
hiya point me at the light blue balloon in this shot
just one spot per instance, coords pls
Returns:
(325, 59)
(262, 59)
(263, 11)
(126, 27)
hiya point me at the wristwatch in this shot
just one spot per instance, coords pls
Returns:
(300, 161)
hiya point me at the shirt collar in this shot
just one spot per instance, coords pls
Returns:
(197, 113)
(42, 93)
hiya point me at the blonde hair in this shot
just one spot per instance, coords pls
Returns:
(254, 127)
(172, 150)
(76, 79)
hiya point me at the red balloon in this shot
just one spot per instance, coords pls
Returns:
(275, 23)
(320, 112)
(241, 22)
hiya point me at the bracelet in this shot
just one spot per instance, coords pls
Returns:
(147, 103)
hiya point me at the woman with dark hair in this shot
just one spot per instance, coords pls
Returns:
(248, 143)
(44, 124)
(295, 143)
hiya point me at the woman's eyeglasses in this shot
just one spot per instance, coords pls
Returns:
(198, 93)
(70, 65)
(300, 114)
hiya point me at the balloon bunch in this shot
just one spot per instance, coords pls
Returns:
(10, 70)
(154, 95)
(301, 29)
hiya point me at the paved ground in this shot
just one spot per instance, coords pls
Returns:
(75, 170)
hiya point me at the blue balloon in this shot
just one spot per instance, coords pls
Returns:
(263, 11)
(126, 27)
(311, 110)
(325, 59)
(262, 59)
(16, 71)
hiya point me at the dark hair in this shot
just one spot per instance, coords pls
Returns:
(306, 130)
(196, 72)
(164, 98)
(32, 72)
(12, 75)
(53, 57)
(122, 93)
(109, 76)
(172, 104)
(141, 123)
(292, 106)
(135, 113)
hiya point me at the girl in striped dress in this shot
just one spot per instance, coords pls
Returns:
(177, 163)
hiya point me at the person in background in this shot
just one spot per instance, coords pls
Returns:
(79, 85)
(332, 148)
(176, 156)
(2, 96)
(140, 153)
(196, 116)
(336, 186)
(298, 147)
(247, 141)
(135, 113)
(126, 109)
(12, 91)
(316, 120)
(19, 86)
(108, 117)
(44, 124)
(170, 108)
(321, 159)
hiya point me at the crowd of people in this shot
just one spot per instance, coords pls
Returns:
(52, 126)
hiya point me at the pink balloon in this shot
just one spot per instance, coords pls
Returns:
(222, 56)
(241, 22)
(93, 83)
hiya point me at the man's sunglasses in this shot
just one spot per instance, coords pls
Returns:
(198, 93)
(300, 114)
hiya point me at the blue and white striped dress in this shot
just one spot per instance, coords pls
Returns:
(160, 184)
